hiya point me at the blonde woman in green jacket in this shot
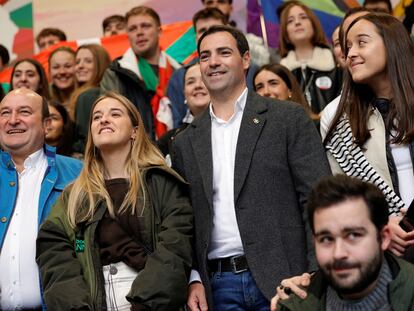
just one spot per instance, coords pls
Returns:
(119, 238)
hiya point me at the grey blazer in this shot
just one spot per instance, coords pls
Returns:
(279, 156)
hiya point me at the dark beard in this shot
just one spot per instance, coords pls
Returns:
(368, 276)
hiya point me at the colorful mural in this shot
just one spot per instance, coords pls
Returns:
(177, 39)
(16, 24)
(329, 12)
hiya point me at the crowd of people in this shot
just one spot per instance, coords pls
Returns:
(228, 183)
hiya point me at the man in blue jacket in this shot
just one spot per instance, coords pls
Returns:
(31, 178)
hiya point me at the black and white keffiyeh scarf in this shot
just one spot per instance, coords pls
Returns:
(353, 162)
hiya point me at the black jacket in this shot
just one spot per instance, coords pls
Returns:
(128, 84)
(310, 83)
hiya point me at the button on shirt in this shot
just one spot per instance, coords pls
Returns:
(19, 275)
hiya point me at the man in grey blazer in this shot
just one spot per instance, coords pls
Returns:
(250, 162)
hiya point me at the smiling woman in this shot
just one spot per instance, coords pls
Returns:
(91, 62)
(304, 50)
(126, 218)
(276, 81)
(61, 72)
(30, 74)
(377, 115)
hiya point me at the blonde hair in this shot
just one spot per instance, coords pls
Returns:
(90, 187)
(101, 60)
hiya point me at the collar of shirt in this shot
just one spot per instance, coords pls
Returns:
(238, 107)
(34, 159)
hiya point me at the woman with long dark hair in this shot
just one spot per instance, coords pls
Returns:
(371, 136)
(119, 238)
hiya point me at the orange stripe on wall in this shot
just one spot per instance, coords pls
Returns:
(115, 45)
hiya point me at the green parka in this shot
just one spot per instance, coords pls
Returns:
(400, 291)
(69, 260)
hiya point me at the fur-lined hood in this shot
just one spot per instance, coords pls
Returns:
(322, 60)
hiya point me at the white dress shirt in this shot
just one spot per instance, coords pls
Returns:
(19, 275)
(225, 234)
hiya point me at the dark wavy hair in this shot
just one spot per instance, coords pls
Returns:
(356, 98)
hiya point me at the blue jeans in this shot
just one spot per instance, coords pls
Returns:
(237, 292)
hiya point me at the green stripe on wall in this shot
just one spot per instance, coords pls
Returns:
(23, 16)
(183, 46)
(6, 87)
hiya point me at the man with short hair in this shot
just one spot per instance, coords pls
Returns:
(113, 25)
(32, 177)
(225, 6)
(48, 37)
(250, 162)
(143, 72)
(349, 220)
(202, 21)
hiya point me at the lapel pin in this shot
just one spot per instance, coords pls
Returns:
(256, 121)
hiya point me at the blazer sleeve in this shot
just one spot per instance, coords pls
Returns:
(308, 163)
(64, 287)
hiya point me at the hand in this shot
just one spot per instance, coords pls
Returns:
(295, 285)
(197, 297)
(400, 239)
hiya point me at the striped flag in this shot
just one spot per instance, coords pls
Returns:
(329, 12)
